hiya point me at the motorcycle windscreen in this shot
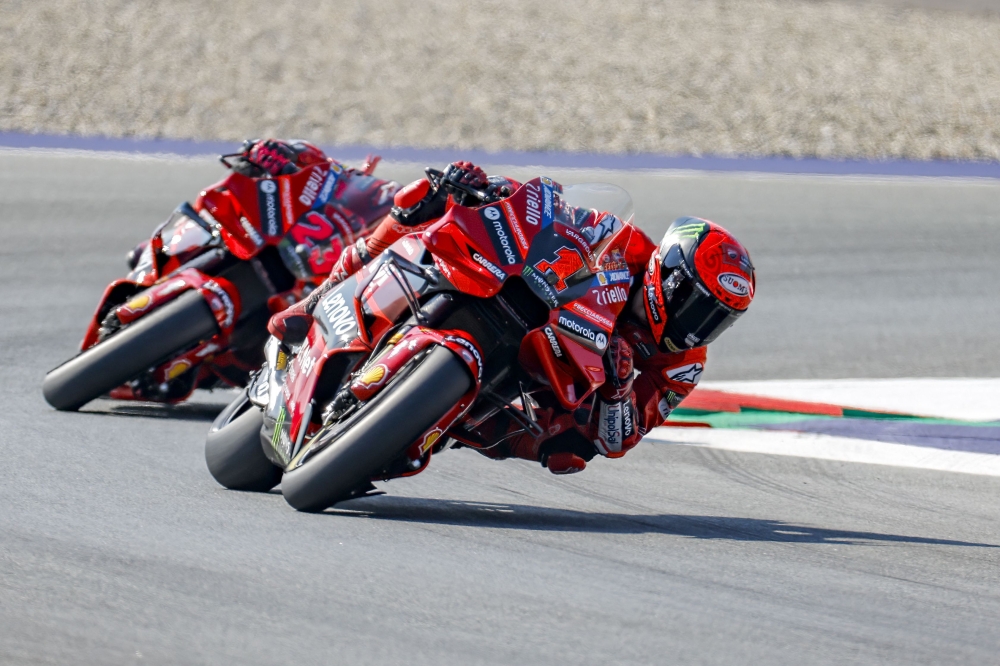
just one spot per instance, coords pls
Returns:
(182, 234)
(601, 197)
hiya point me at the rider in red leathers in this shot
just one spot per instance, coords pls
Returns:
(356, 205)
(683, 294)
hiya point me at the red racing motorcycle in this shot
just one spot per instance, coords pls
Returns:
(444, 330)
(193, 311)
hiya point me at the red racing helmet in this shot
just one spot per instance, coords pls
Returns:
(697, 284)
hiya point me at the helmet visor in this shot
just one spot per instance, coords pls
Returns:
(698, 319)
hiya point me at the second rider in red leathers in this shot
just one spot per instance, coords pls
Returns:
(683, 294)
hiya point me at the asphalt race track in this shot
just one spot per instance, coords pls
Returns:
(117, 547)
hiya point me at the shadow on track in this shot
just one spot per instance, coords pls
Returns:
(188, 411)
(523, 517)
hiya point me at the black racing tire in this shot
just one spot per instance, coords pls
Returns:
(234, 452)
(381, 432)
(145, 343)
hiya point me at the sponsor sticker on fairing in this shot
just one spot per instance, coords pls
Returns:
(472, 349)
(611, 295)
(600, 320)
(226, 302)
(553, 341)
(318, 189)
(257, 239)
(339, 316)
(500, 235)
(545, 290)
(583, 330)
(489, 265)
(270, 211)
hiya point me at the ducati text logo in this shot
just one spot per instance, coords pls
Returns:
(734, 284)
(268, 203)
(686, 374)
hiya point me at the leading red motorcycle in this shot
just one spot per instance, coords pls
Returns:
(443, 331)
(193, 311)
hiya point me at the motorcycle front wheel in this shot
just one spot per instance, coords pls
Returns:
(154, 338)
(379, 433)
(234, 452)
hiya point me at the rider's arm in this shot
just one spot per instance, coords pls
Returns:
(642, 399)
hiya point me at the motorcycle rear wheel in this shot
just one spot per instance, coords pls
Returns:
(149, 341)
(234, 452)
(382, 431)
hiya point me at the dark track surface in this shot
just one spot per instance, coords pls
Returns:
(117, 547)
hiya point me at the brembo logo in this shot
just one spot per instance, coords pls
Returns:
(734, 284)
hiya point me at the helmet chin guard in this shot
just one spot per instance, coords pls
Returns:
(697, 284)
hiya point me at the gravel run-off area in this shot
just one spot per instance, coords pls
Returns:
(694, 77)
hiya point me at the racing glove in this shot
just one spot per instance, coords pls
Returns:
(614, 426)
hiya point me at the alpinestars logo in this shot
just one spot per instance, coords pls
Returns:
(686, 374)
(500, 234)
(270, 212)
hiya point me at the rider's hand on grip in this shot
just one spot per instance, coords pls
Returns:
(274, 157)
(618, 369)
(418, 203)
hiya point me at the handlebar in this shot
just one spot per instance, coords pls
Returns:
(437, 179)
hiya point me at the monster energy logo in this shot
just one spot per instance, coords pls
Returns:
(277, 434)
(689, 230)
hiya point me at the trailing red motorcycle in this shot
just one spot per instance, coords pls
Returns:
(443, 331)
(193, 311)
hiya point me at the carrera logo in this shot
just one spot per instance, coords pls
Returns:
(489, 265)
(500, 234)
(686, 374)
(257, 239)
(553, 342)
(734, 284)
(270, 212)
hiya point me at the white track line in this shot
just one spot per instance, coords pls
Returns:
(966, 399)
(827, 447)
